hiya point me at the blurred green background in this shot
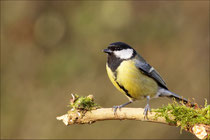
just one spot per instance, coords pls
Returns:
(50, 49)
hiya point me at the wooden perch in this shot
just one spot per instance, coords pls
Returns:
(89, 117)
(85, 111)
(108, 114)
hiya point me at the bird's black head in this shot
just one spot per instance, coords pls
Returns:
(117, 46)
(120, 50)
(117, 53)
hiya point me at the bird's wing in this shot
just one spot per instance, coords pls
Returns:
(144, 67)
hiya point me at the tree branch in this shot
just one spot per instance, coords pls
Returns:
(102, 114)
(85, 111)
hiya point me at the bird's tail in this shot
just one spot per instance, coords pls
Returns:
(166, 93)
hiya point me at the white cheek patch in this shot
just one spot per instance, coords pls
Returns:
(124, 54)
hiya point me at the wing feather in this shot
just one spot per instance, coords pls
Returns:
(144, 67)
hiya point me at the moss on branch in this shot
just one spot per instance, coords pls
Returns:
(183, 116)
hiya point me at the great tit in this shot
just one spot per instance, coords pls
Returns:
(134, 77)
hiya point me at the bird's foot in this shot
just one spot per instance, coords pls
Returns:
(146, 109)
(120, 106)
(117, 107)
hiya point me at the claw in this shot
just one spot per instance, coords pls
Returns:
(117, 107)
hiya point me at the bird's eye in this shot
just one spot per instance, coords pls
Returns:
(118, 48)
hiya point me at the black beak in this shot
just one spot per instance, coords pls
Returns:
(107, 51)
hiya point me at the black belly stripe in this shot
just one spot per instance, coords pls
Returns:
(125, 90)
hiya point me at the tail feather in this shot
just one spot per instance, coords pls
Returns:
(166, 93)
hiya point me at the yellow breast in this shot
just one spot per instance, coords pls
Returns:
(136, 83)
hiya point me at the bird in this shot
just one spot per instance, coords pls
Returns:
(134, 77)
